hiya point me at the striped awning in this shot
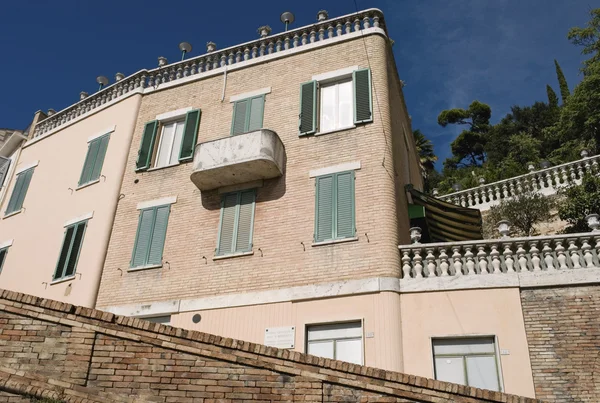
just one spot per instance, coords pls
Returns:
(447, 222)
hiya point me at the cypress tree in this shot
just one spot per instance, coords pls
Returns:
(562, 82)
(552, 98)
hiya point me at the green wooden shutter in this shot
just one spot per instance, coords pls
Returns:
(75, 249)
(4, 165)
(344, 214)
(308, 108)
(103, 145)
(90, 160)
(324, 208)
(245, 221)
(20, 190)
(240, 111)
(159, 234)
(142, 238)
(147, 145)
(64, 252)
(229, 206)
(190, 134)
(363, 105)
(255, 120)
(3, 253)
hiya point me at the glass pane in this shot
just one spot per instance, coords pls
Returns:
(334, 331)
(321, 348)
(177, 143)
(464, 346)
(349, 350)
(450, 370)
(166, 140)
(482, 372)
(346, 111)
(328, 108)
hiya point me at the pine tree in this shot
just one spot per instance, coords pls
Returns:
(562, 82)
(552, 98)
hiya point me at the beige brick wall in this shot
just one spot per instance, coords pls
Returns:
(285, 206)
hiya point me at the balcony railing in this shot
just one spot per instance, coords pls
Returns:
(329, 30)
(546, 181)
(501, 257)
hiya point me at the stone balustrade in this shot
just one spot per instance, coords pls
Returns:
(546, 181)
(501, 257)
(323, 30)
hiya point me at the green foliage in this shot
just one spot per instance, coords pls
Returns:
(425, 149)
(523, 211)
(580, 117)
(579, 201)
(552, 98)
(588, 37)
(562, 82)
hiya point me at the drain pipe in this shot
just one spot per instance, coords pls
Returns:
(224, 83)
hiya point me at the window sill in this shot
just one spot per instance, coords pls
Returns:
(341, 129)
(163, 167)
(150, 266)
(221, 257)
(13, 213)
(87, 184)
(62, 280)
(334, 241)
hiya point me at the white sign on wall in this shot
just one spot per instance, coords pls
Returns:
(280, 337)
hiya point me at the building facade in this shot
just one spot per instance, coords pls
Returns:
(59, 199)
(258, 192)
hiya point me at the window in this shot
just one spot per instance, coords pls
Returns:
(70, 250)
(4, 165)
(92, 167)
(237, 220)
(336, 106)
(150, 237)
(334, 207)
(19, 191)
(164, 320)
(467, 361)
(341, 103)
(176, 143)
(3, 253)
(247, 115)
(340, 341)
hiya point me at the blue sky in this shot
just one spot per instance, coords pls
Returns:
(448, 52)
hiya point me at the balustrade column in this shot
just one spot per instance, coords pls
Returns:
(535, 256)
(405, 264)
(470, 260)
(561, 256)
(444, 262)
(495, 255)
(482, 257)
(417, 263)
(431, 267)
(548, 258)
(586, 248)
(508, 258)
(556, 176)
(457, 259)
(574, 253)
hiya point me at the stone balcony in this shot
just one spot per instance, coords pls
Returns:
(238, 159)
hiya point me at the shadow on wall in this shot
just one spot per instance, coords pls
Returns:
(272, 189)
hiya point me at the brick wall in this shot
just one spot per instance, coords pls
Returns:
(284, 215)
(563, 333)
(59, 351)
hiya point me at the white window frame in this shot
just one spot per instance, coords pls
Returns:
(337, 124)
(351, 321)
(332, 78)
(163, 124)
(470, 336)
